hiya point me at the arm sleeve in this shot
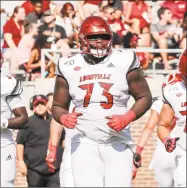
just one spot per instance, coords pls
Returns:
(135, 63)
(15, 102)
(22, 136)
(7, 28)
(59, 71)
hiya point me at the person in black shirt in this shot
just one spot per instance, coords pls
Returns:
(32, 145)
(54, 33)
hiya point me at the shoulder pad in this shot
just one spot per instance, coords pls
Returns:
(10, 85)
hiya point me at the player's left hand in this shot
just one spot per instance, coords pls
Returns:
(51, 158)
(119, 122)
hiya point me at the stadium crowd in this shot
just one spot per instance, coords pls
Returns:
(27, 27)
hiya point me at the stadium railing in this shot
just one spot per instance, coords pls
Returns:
(46, 53)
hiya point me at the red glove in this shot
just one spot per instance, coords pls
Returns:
(170, 143)
(51, 158)
(119, 122)
(69, 120)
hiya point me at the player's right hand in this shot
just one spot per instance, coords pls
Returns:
(134, 172)
(4, 123)
(170, 143)
(69, 120)
(51, 158)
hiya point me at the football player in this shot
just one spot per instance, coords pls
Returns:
(13, 116)
(99, 81)
(175, 104)
(162, 162)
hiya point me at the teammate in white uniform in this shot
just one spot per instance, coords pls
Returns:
(11, 104)
(162, 162)
(99, 82)
(174, 94)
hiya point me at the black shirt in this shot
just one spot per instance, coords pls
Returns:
(58, 29)
(35, 140)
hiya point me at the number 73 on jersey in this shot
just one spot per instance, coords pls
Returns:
(106, 92)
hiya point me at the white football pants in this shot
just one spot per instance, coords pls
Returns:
(101, 165)
(66, 176)
(8, 165)
(169, 168)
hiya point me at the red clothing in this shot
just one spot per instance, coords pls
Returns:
(141, 57)
(97, 2)
(177, 8)
(118, 24)
(28, 6)
(137, 13)
(10, 27)
(46, 5)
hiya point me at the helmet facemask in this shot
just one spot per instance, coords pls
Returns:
(97, 45)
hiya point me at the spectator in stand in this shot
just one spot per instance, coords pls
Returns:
(116, 25)
(32, 144)
(164, 34)
(91, 7)
(36, 15)
(26, 44)
(116, 4)
(138, 16)
(130, 40)
(29, 7)
(13, 31)
(69, 21)
(34, 63)
(54, 33)
(178, 8)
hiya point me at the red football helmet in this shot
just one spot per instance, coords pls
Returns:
(95, 36)
(183, 65)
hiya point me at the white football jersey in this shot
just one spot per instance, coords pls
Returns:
(10, 99)
(174, 93)
(97, 91)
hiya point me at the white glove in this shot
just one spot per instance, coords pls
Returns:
(4, 123)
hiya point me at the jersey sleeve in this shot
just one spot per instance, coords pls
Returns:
(15, 102)
(7, 27)
(135, 63)
(10, 86)
(157, 105)
(59, 69)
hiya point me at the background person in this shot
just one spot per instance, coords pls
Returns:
(32, 145)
